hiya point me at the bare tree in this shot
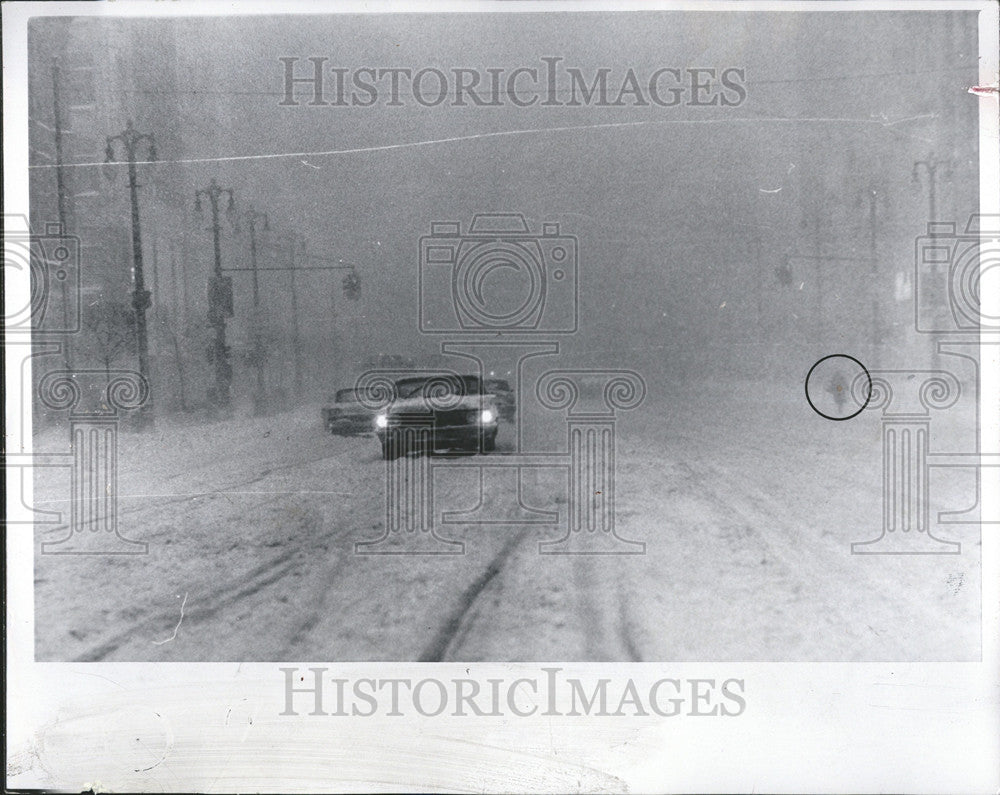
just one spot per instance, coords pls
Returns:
(111, 331)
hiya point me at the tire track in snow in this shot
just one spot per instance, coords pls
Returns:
(250, 583)
(814, 564)
(231, 487)
(451, 634)
(603, 610)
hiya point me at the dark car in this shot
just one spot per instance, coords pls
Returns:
(503, 396)
(348, 416)
(438, 412)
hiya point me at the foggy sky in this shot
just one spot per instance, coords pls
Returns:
(681, 220)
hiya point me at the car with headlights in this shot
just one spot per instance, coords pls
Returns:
(347, 415)
(438, 412)
(503, 397)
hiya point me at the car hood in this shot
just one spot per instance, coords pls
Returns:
(420, 404)
(352, 408)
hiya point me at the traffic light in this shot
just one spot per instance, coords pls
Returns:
(352, 286)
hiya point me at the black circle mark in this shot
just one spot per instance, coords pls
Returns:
(867, 375)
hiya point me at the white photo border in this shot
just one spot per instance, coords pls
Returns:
(834, 727)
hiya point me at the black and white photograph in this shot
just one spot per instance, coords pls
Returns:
(574, 361)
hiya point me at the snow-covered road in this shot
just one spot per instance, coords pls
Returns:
(747, 508)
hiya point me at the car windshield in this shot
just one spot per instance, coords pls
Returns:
(355, 395)
(497, 383)
(438, 385)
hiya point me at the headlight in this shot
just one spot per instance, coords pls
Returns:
(486, 417)
(381, 421)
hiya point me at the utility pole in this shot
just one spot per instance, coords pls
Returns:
(175, 328)
(174, 295)
(335, 357)
(296, 338)
(760, 285)
(185, 316)
(876, 326)
(154, 252)
(816, 220)
(61, 203)
(130, 141)
(351, 285)
(220, 293)
(260, 398)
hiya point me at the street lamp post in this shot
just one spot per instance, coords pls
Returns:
(937, 297)
(61, 201)
(130, 141)
(931, 166)
(260, 398)
(220, 293)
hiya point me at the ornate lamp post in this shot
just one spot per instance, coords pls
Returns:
(220, 292)
(130, 141)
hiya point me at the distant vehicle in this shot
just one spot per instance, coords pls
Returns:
(348, 416)
(438, 412)
(504, 397)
